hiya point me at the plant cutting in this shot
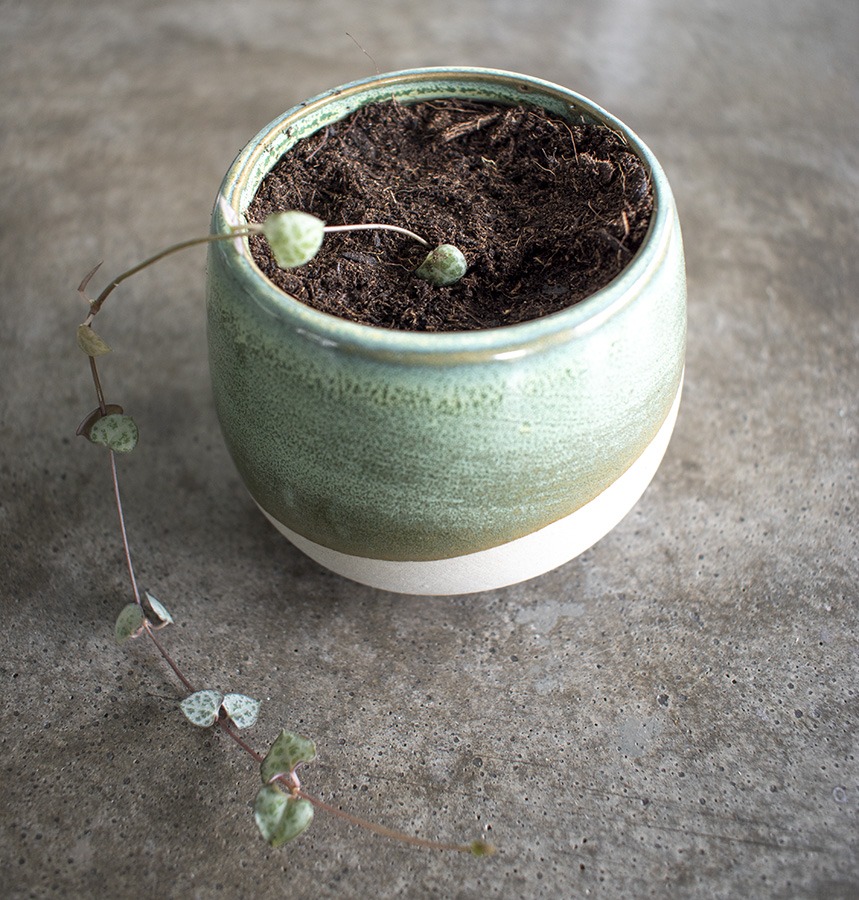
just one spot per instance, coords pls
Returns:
(283, 809)
(415, 461)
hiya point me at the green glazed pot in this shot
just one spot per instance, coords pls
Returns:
(453, 462)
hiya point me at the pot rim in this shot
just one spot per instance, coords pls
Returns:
(502, 342)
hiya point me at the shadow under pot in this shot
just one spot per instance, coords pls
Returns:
(445, 462)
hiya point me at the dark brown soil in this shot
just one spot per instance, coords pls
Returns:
(545, 211)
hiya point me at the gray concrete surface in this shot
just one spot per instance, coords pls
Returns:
(672, 715)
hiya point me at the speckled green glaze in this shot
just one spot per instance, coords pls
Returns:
(405, 446)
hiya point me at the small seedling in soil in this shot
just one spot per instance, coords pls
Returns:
(282, 809)
(295, 238)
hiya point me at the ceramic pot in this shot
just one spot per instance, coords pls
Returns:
(453, 462)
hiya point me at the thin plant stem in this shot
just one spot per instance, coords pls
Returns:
(234, 232)
(116, 494)
(375, 226)
(240, 741)
(122, 529)
(383, 830)
(97, 382)
(170, 661)
(238, 231)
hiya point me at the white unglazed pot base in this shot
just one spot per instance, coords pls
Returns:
(513, 562)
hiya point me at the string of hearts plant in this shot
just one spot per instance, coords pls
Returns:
(282, 808)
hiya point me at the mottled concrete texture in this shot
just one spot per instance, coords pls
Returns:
(672, 715)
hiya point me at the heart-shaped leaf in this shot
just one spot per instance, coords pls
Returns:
(85, 427)
(281, 818)
(90, 342)
(294, 237)
(117, 432)
(201, 708)
(287, 751)
(128, 622)
(241, 709)
(443, 266)
(158, 610)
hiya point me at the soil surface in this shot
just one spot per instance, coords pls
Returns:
(546, 212)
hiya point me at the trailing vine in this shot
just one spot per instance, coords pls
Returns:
(283, 809)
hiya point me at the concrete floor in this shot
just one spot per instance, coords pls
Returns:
(673, 714)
